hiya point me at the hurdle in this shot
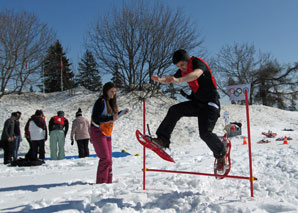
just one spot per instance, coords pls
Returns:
(251, 178)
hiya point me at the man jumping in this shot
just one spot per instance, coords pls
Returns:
(204, 104)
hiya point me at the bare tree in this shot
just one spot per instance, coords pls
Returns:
(23, 44)
(140, 40)
(236, 64)
(270, 83)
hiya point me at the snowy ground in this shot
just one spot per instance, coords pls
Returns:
(68, 185)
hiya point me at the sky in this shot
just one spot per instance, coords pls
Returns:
(270, 25)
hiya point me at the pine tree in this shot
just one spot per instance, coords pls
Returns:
(52, 70)
(88, 76)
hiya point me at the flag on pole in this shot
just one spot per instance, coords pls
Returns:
(237, 92)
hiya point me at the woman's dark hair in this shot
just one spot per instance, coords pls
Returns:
(180, 55)
(111, 103)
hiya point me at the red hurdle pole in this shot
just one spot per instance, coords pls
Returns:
(249, 146)
(199, 173)
(144, 149)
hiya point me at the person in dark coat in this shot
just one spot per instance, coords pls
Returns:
(8, 138)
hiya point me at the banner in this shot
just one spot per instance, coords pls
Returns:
(237, 92)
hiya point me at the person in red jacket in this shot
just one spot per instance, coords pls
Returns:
(58, 128)
(203, 104)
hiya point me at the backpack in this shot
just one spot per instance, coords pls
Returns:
(59, 120)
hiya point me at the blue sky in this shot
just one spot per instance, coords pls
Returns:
(271, 25)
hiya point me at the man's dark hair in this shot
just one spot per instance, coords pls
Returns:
(14, 114)
(60, 113)
(180, 55)
(38, 112)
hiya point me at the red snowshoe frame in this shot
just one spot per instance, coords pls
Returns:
(227, 167)
(155, 148)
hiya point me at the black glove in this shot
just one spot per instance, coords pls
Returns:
(72, 142)
(185, 95)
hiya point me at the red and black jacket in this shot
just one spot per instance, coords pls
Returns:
(204, 89)
(58, 123)
(40, 122)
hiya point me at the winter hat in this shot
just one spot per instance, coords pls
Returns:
(60, 113)
(79, 112)
(106, 88)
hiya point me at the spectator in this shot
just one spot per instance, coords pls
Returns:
(17, 132)
(36, 133)
(58, 127)
(104, 113)
(8, 137)
(80, 129)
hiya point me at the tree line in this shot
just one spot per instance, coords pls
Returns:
(131, 43)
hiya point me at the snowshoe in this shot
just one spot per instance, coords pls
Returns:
(147, 142)
(263, 141)
(269, 134)
(222, 166)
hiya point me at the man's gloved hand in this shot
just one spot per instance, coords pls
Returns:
(185, 95)
(72, 142)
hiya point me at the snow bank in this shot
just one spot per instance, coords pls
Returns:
(68, 185)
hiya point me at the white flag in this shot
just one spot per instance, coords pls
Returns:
(237, 92)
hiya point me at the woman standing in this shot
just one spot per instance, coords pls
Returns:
(80, 129)
(104, 113)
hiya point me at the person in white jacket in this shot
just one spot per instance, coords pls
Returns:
(38, 135)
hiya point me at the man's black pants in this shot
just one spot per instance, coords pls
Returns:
(207, 117)
(8, 147)
(37, 147)
(83, 148)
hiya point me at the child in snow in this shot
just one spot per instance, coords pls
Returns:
(104, 113)
(203, 104)
(58, 127)
(80, 129)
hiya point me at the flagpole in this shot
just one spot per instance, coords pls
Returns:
(61, 68)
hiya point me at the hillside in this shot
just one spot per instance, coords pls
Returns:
(68, 185)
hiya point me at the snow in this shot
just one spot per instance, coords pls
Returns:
(69, 185)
